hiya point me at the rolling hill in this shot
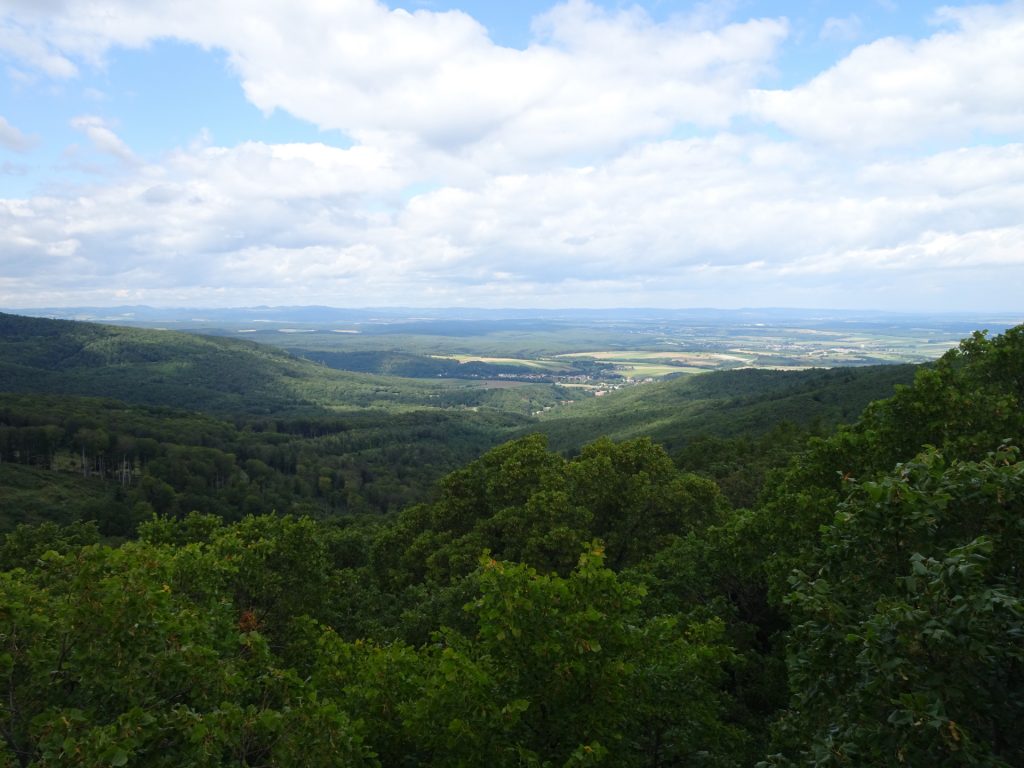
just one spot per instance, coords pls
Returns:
(345, 441)
(726, 404)
(212, 374)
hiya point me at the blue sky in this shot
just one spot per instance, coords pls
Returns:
(746, 153)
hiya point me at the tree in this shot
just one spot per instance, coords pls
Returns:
(907, 646)
(562, 671)
(133, 655)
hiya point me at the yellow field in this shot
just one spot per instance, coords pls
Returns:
(699, 359)
(643, 370)
(543, 365)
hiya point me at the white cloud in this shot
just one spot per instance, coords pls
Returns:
(672, 206)
(845, 28)
(542, 176)
(103, 137)
(13, 139)
(592, 81)
(717, 220)
(930, 251)
(996, 171)
(196, 215)
(34, 51)
(898, 92)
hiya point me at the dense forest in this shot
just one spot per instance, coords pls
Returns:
(732, 581)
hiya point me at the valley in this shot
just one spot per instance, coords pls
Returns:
(611, 524)
(576, 347)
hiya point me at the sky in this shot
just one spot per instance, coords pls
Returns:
(726, 153)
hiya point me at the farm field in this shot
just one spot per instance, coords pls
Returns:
(540, 365)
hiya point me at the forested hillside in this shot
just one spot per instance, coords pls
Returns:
(252, 429)
(266, 432)
(130, 461)
(744, 403)
(613, 608)
(228, 377)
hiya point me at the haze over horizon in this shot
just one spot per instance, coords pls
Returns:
(734, 154)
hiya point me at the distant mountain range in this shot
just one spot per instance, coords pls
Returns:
(146, 315)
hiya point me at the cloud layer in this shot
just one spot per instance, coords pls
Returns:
(616, 160)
